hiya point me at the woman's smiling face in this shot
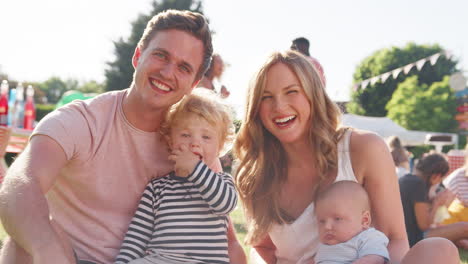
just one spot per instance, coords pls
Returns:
(285, 109)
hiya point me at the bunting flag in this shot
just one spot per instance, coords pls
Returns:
(405, 69)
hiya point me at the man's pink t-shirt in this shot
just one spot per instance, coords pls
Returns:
(109, 164)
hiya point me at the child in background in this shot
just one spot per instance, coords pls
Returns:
(343, 216)
(183, 217)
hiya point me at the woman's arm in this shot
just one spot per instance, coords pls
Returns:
(263, 252)
(373, 166)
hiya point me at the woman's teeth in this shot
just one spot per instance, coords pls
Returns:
(284, 119)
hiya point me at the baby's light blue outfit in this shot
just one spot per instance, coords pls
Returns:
(368, 242)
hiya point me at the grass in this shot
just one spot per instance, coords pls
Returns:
(463, 256)
(237, 218)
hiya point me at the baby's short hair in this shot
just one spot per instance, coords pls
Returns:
(207, 105)
(349, 190)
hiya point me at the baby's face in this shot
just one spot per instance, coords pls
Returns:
(339, 220)
(198, 136)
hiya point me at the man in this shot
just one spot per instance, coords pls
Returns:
(72, 192)
(301, 44)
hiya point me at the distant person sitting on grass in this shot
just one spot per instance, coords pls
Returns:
(400, 156)
(420, 210)
(344, 223)
(457, 183)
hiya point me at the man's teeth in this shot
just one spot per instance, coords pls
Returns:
(161, 86)
(284, 119)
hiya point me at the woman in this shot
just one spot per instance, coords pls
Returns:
(215, 71)
(421, 209)
(400, 156)
(457, 183)
(290, 146)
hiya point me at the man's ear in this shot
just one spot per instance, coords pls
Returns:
(136, 57)
(366, 219)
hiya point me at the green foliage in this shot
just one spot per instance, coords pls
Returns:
(119, 74)
(419, 106)
(91, 87)
(237, 124)
(372, 101)
(54, 87)
(43, 109)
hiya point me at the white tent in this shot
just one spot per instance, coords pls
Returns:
(385, 127)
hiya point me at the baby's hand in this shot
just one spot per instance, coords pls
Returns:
(185, 160)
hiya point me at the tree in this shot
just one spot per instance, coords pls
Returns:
(54, 87)
(419, 106)
(372, 100)
(91, 87)
(119, 74)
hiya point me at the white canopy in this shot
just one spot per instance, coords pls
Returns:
(385, 127)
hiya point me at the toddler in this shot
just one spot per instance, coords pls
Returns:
(343, 217)
(183, 217)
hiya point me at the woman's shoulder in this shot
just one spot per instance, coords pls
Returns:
(363, 141)
(368, 151)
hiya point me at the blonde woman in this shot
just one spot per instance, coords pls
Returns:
(400, 156)
(290, 147)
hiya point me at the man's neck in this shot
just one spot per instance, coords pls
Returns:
(139, 116)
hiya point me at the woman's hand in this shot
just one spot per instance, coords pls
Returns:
(224, 92)
(444, 197)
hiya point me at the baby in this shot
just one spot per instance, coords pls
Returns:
(343, 217)
(183, 216)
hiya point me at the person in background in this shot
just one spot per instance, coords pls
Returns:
(290, 146)
(183, 216)
(215, 71)
(399, 155)
(69, 197)
(301, 45)
(420, 210)
(344, 220)
(457, 183)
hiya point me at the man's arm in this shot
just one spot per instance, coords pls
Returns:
(23, 208)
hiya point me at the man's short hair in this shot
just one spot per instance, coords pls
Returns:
(190, 22)
(301, 44)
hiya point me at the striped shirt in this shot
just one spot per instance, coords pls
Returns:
(457, 182)
(182, 219)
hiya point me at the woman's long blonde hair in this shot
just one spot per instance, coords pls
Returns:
(262, 168)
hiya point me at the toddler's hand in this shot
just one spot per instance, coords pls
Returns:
(185, 160)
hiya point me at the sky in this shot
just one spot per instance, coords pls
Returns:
(73, 38)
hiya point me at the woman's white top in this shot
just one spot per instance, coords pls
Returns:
(400, 171)
(297, 242)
